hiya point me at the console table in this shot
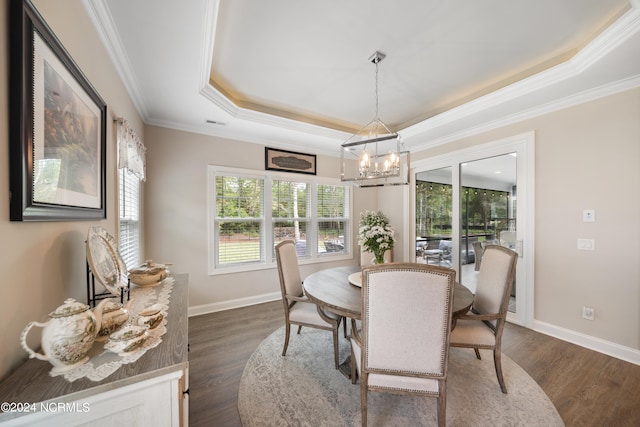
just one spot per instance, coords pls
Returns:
(151, 391)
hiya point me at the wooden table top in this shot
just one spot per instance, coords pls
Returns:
(331, 290)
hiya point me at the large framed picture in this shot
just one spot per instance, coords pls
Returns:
(289, 161)
(57, 146)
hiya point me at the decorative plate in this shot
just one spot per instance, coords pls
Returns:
(105, 261)
(356, 279)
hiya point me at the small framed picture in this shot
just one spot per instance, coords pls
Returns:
(289, 161)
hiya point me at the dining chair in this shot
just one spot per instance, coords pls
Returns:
(477, 250)
(298, 309)
(482, 326)
(403, 346)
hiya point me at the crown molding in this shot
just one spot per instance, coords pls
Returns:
(103, 22)
(560, 104)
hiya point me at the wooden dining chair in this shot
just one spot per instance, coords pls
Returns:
(482, 326)
(403, 347)
(298, 309)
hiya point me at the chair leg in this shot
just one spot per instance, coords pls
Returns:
(344, 325)
(363, 399)
(477, 353)
(335, 347)
(497, 361)
(299, 329)
(286, 339)
(354, 373)
(442, 404)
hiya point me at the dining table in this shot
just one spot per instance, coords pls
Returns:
(335, 290)
(331, 290)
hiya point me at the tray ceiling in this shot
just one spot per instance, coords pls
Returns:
(295, 74)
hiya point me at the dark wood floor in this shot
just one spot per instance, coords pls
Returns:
(587, 388)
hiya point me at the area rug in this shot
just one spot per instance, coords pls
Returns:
(304, 389)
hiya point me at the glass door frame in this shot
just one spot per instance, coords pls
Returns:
(524, 146)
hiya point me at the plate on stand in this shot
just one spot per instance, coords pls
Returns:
(105, 261)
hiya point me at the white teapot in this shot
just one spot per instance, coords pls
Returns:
(67, 336)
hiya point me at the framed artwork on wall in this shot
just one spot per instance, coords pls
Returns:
(289, 161)
(57, 128)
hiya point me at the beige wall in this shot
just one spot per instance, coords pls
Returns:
(587, 157)
(42, 264)
(176, 204)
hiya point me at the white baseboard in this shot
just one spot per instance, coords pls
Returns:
(618, 351)
(235, 303)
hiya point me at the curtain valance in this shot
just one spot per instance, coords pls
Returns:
(131, 151)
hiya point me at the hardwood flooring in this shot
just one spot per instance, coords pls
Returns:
(587, 388)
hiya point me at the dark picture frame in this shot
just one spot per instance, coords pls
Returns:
(57, 128)
(289, 161)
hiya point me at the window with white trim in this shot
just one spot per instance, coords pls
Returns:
(129, 218)
(251, 213)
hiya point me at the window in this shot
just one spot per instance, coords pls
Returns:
(290, 214)
(239, 220)
(129, 216)
(333, 217)
(251, 214)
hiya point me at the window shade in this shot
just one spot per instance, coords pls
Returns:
(239, 219)
(333, 218)
(129, 216)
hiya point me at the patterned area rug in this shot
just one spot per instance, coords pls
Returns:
(304, 389)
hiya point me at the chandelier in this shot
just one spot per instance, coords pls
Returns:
(373, 157)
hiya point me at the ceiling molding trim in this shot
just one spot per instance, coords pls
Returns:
(611, 38)
(325, 146)
(212, 94)
(104, 25)
(561, 104)
(210, 15)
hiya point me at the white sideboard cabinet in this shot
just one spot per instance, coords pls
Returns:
(153, 391)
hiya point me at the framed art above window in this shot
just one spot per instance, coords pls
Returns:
(57, 128)
(289, 161)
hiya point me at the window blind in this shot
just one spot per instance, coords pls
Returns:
(290, 213)
(129, 216)
(333, 217)
(239, 219)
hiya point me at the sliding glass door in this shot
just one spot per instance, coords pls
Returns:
(434, 216)
(488, 189)
(475, 197)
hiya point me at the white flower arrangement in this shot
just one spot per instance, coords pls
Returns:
(375, 234)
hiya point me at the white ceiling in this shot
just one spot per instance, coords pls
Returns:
(295, 74)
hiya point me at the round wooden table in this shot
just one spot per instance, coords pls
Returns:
(331, 290)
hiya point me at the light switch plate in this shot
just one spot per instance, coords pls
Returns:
(586, 244)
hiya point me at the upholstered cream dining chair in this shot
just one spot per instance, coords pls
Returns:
(482, 326)
(403, 347)
(298, 310)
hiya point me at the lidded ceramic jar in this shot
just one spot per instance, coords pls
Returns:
(67, 336)
(148, 274)
(114, 315)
